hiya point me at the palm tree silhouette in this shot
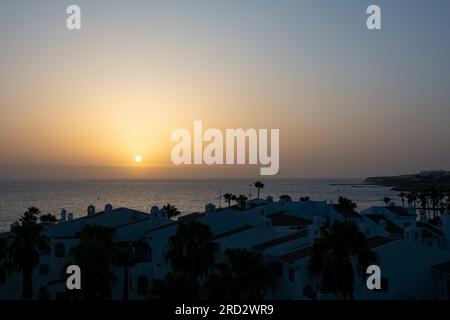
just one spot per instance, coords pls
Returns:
(125, 257)
(5, 263)
(228, 197)
(191, 249)
(191, 254)
(386, 200)
(346, 206)
(402, 196)
(434, 198)
(259, 185)
(94, 254)
(27, 244)
(411, 198)
(241, 199)
(333, 255)
(171, 211)
(423, 198)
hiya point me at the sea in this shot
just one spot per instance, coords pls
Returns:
(187, 195)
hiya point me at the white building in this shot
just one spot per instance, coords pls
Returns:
(414, 256)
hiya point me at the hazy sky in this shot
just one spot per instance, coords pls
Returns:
(348, 101)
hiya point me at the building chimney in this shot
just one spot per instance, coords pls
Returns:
(108, 208)
(209, 208)
(154, 211)
(63, 216)
(90, 210)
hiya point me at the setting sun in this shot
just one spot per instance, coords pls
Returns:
(138, 158)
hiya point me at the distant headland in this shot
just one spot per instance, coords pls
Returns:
(414, 182)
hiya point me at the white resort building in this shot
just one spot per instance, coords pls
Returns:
(414, 255)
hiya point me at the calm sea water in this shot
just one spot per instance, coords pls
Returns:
(187, 195)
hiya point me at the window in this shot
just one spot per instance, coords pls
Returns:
(60, 250)
(142, 285)
(44, 269)
(292, 274)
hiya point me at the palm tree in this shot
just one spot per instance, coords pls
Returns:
(346, 206)
(243, 276)
(27, 244)
(402, 195)
(228, 197)
(5, 263)
(434, 198)
(94, 254)
(411, 199)
(171, 211)
(414, 198)
(423, 198)
(441, 194)
(341, 253)
(386, 200)
(124, 257)
(191, 249)
(191, 254)
(241, 199)
(259, 185)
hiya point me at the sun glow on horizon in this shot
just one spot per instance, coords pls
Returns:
(138, 159)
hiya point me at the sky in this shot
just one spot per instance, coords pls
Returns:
(349, 102)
